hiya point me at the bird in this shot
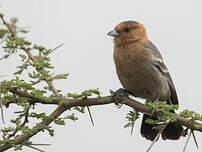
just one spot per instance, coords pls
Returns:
(142, 73)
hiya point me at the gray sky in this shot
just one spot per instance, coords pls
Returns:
(175, 28)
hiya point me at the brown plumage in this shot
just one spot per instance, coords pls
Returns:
(142, 72)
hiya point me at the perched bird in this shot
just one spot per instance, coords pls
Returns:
(143, 74)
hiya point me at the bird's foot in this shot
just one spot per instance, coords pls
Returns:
(118, 94)
(153, 111)
(156, 102)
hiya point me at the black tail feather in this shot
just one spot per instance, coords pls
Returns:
(173, 131)
(147, 130)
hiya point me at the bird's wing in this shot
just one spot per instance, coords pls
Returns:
(157, 61)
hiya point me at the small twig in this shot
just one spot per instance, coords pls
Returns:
(46, 121)
(53, 50)
(157, 137)
(2, 112)
(185, 133)
(2, 58)
(188, 138)
(49, 82)
(91, 118)
(34, 148)
(13, 134)
(31, 146)
(195, 141)
(134, 118)
(40, 144)
(12, 30)
(26, 117)
(23, 124)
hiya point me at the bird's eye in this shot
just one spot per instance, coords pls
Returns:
(126, 29)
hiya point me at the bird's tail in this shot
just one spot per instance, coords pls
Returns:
(148, 130)
(173, 131)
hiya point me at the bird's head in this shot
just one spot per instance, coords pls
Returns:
(128, 32)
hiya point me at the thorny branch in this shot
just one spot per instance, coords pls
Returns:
(69, 103)
(28, 51)
(92, 102)
(58, 111)
(102, 101)
(11, 29)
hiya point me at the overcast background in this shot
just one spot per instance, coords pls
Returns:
(174, 26)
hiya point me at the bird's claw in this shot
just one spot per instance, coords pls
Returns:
(153, 111)
(118, 94)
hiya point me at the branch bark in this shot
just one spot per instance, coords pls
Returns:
(108, 100)
(93, 102)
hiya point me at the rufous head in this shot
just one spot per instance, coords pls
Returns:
(128, 32)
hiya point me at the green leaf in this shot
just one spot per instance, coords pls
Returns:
(3, 32)
(130, 118)
(14, 20)
(59, 121)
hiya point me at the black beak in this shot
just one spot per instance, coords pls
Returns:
(113, 33)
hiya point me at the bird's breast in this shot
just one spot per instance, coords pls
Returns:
(138, 76)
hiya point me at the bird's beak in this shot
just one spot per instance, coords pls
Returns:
(113, 33)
